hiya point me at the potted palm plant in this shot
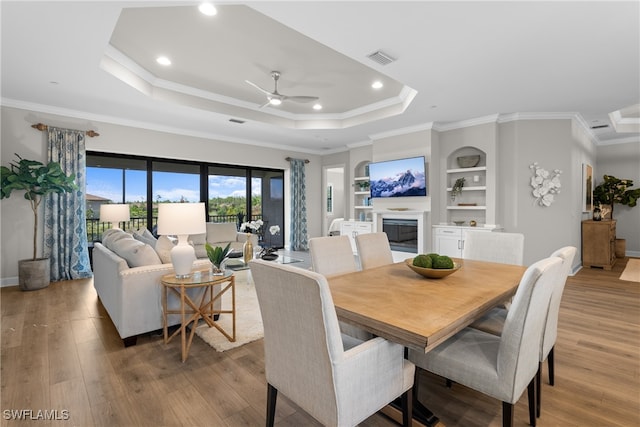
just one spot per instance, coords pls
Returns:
(36, 180)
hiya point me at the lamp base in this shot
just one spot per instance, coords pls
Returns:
(182, 257)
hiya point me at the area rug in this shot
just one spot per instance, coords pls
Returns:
(631, 272)
(248, 320)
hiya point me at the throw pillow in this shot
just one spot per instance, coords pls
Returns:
(137, 254)
(163, 249)
(112, 235)
(145, 236)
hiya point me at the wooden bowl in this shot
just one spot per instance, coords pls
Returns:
(468, 161)
(432, 273)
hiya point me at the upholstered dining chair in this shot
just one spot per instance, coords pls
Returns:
(501, 366)
(493, 322)
(332, 256)
(505, 248)
(338, 380)
(373, 250)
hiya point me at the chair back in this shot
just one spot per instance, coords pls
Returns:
(373, 250)
(505, 248)
(524, 325)
(332, 255)
(567, 254)
(302, 339)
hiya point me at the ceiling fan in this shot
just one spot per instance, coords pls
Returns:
(276, 98)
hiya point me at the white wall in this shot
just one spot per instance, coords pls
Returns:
(19, 137)
(623, 162)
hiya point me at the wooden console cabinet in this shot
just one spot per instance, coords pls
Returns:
(598, 243)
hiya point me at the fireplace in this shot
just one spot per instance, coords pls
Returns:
(402, 234)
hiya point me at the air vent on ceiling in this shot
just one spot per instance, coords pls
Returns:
(236, 121)
(381, 58)
(599, 126)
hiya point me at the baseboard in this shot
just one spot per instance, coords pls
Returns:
(8, 281)
(633, 254)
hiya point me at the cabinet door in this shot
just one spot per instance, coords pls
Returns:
(449, 245)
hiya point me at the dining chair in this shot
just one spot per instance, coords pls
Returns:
(338, 380)
(505, 248)
(332, 256)
(373, 250)
(493, 322)
(501, 366)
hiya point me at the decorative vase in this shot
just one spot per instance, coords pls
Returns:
(247, 249)
(597, 214)
(218, 270)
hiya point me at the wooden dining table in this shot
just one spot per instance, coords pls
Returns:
(402, 306)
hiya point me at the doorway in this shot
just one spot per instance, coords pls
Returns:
(334, 196)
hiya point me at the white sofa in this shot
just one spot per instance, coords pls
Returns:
(128, 284)
(221, 234)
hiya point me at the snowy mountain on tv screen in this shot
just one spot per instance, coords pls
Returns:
(409, 183)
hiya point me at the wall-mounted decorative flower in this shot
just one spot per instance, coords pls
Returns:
(545, 184)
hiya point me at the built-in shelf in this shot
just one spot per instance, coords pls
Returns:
(363, 207)
(463, 170)
(466, 208)
(361, 178)
(362, 193)
(476, 188)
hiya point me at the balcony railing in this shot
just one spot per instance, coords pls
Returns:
(95, 228)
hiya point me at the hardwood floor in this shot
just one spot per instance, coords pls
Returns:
(61, 352)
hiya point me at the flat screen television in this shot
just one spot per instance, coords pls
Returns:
(398, 178)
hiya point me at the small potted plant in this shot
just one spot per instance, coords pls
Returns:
(456, 190)
(36, 180)
(217, 255)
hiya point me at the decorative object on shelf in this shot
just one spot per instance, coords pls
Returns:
(247, 250)
(36, 180)
(456, 190)
(459, 223)
(545, 184)
(597, 214)
(473, 223)
(468, 161)
(467, 204)
(217, 256)
(362, 185)
(398, 209)
(613, 190)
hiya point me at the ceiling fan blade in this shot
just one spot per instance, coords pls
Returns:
(266, 92)
(301, 98)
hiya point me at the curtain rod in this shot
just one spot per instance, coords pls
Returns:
(42, 127)
(288, 159)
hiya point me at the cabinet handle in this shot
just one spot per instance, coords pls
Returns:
(459, 247)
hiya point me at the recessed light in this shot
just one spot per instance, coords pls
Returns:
(317, 107)
(377, 84)
(163, 60)
(275, 101)
(207, 8)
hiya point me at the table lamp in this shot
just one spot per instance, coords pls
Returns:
(114, 213)
(181, 219)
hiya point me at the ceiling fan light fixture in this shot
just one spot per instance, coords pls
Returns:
(207, 8)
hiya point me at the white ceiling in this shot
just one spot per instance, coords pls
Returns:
(456, 61)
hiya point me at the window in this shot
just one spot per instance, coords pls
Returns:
(330, 198)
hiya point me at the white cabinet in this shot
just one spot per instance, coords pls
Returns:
(353, 228)
(449, 240)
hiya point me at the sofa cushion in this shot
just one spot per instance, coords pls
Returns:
(113, 234)
(221, 232)
(136, 253)
(198, 239)
(145, 236)
(163, 249)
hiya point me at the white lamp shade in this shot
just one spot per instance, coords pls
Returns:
(114, 213)
(181, 219)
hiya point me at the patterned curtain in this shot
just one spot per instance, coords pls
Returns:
(298, 206)
(65, 230)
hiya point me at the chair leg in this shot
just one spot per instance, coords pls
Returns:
(531, 394)
(449, 383)
(272, 396)
(507, 414)
(551, 367)
(407, 407)
(539, 389)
